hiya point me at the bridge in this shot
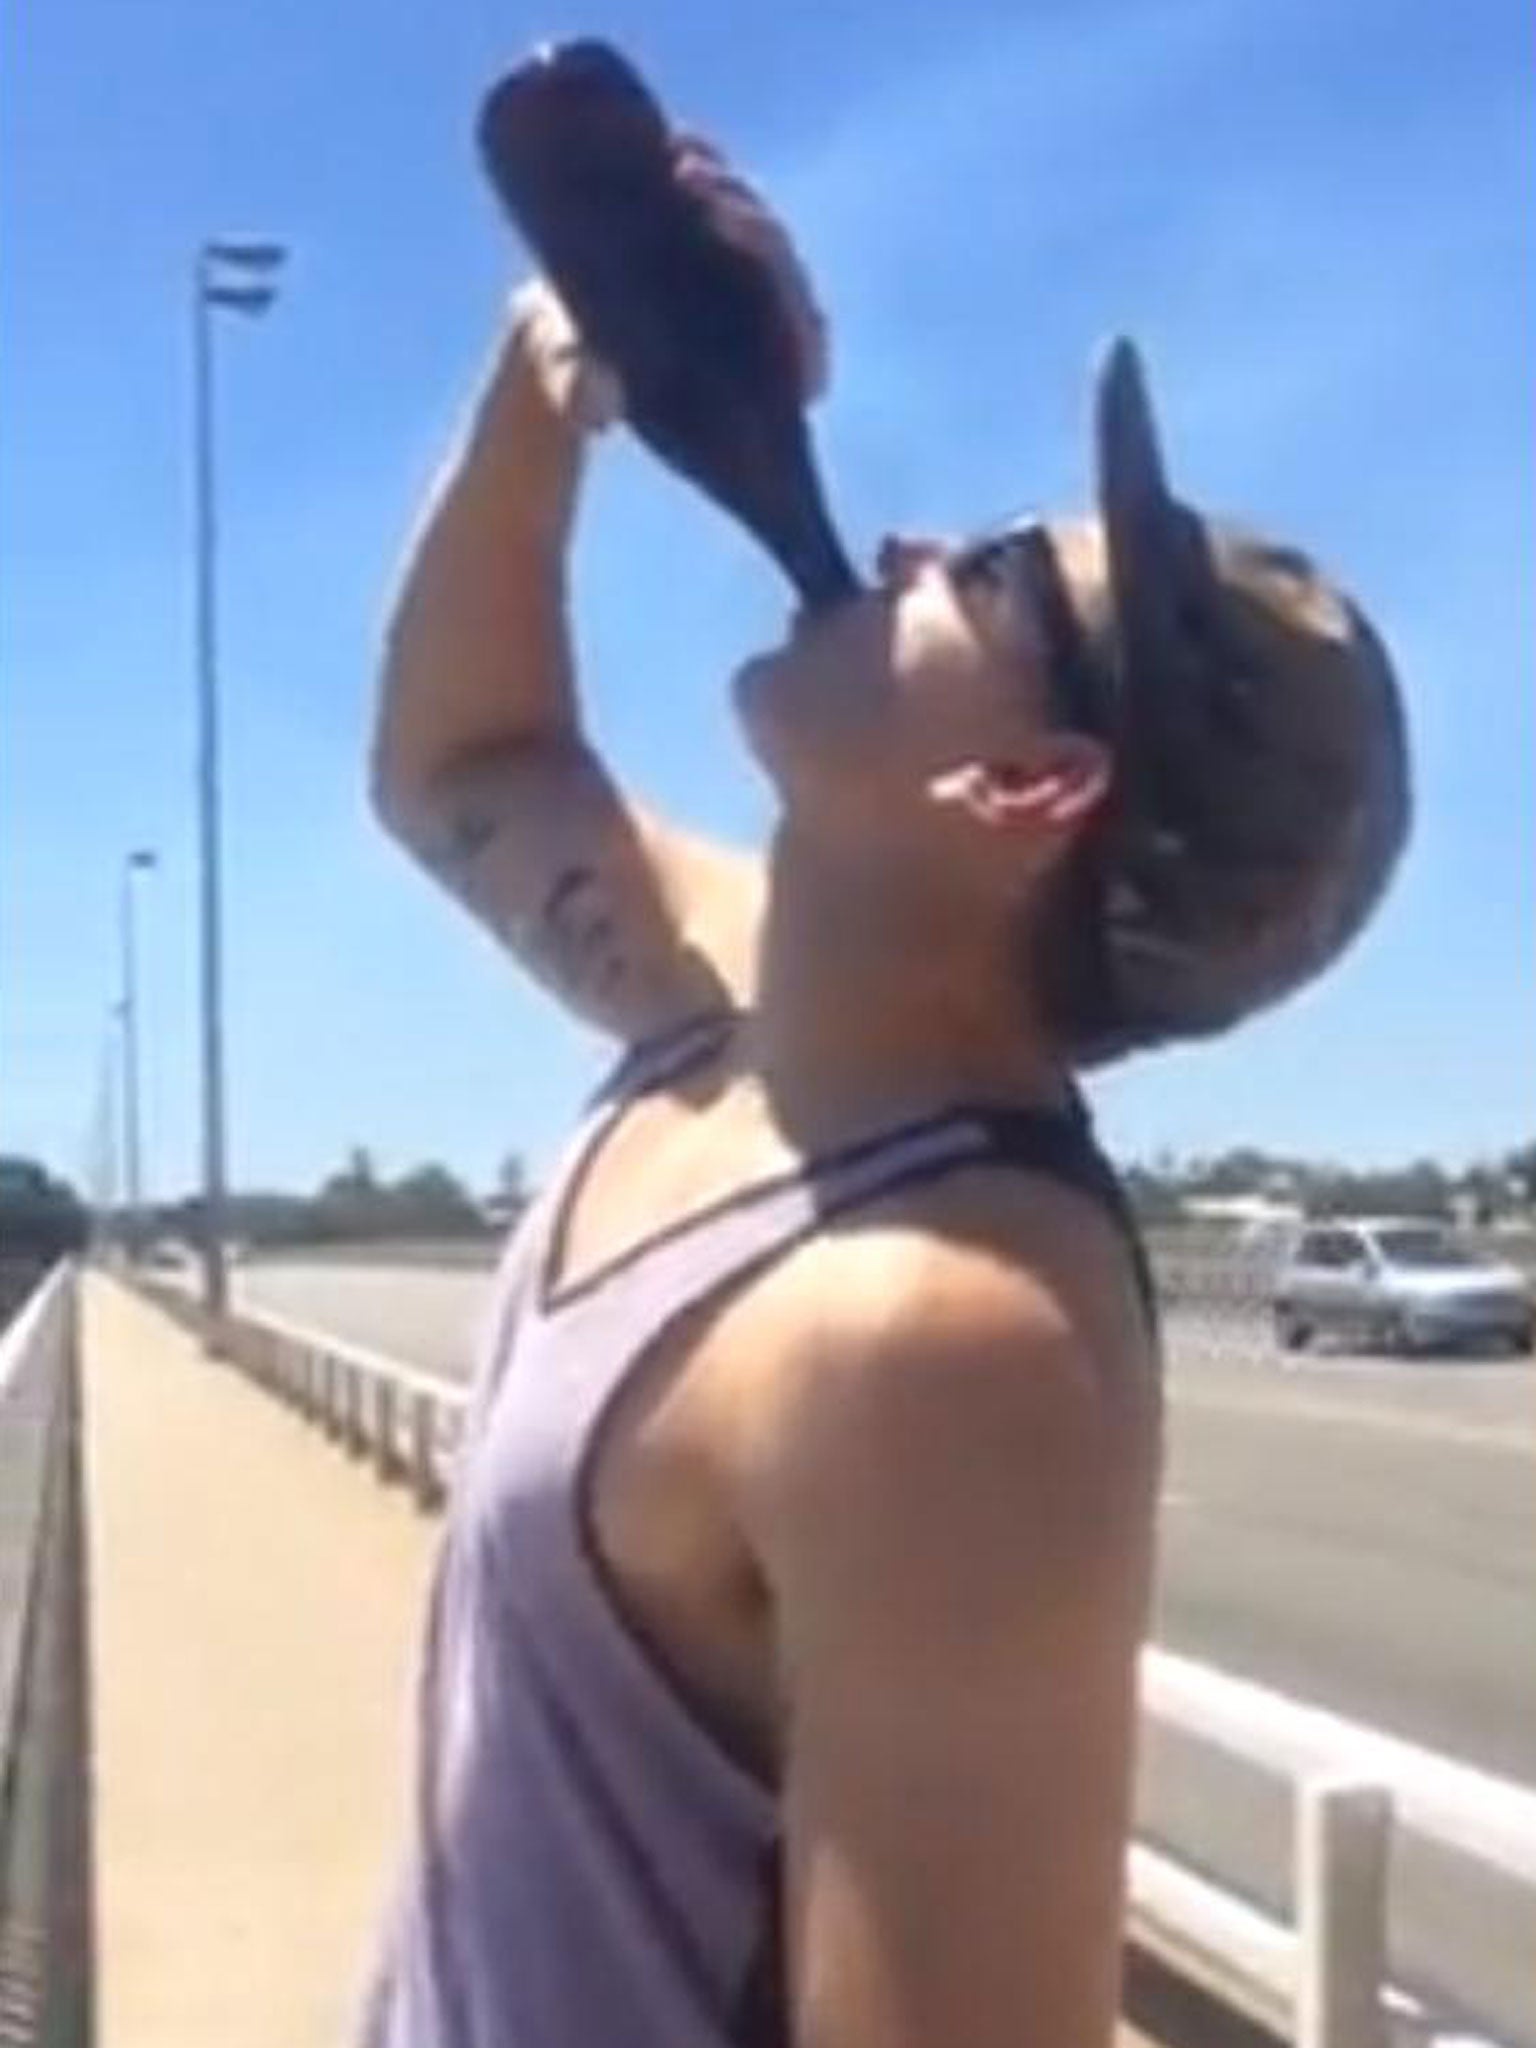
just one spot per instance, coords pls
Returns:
(212, 1568)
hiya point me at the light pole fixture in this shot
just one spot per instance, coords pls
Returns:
(238, 275)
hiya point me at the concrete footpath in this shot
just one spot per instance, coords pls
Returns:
(255, 1601)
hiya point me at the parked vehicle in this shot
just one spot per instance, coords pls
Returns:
(1399, 1284)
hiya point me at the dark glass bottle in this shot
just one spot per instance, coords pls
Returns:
(580, 155)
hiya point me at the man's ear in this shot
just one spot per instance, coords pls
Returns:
(1057, 788)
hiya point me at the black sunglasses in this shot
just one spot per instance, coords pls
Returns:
(1022, 560)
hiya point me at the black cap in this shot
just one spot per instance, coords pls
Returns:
(1262, 784)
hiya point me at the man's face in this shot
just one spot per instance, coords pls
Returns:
(943, 663)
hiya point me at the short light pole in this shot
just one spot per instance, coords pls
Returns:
(136, 863)
(240, 276)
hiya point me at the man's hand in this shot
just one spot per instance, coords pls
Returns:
(583, 390)
(481, 764)
(740, 215)
(577, 386)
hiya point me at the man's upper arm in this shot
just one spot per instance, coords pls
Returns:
(634, 924)
(958, 1556)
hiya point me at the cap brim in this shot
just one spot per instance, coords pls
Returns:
(1159, 560)
(1132, 482)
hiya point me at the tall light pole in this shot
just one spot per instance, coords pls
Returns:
(240, 276)
(136, 863)
(104, 1178)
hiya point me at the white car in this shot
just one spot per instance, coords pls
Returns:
(1399, 1284)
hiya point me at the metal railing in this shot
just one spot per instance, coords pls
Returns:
(406, 1423)
(1320, 1979)
(46, 1940)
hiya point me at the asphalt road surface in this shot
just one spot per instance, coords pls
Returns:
(1358, 1533)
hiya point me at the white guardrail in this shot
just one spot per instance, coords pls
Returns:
(405, 1422)
(1321, 1981)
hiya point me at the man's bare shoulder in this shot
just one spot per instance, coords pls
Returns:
(984, 1258)
(953, 1516)
(988, 1323)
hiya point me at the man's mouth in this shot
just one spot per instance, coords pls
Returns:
(807, 618)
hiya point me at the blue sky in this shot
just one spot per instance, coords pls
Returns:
(1318, 220)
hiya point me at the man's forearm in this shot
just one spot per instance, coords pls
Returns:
(478, 653)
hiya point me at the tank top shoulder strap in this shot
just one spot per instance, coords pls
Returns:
(654, 1062)
(685, 1264)
(1062, 1146)
(645, 1065)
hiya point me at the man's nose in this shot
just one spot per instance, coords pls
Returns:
(902, 556)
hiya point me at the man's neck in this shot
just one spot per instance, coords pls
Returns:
(875, 998)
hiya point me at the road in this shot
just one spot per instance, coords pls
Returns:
(1358, 1533)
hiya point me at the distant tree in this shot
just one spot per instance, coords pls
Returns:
(1423, 1189)
(430, 1199)
(1482, 1192)
(357, 1178)
(1520, 1165)
(351, 1203)
(1240, 1172)
(511, 1194)
(264, 1219)
(41, 1219)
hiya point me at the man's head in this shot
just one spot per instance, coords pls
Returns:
(1169, 752)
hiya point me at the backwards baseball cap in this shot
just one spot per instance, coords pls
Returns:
(1261, 794)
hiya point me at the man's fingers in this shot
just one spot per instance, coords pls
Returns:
(717, 187)
(741, 216)
(689, 142)
(597, 396)
(750, 228)
(760, 236)
(581, 387)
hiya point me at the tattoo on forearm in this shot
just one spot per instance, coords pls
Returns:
(576, 936)
(472, 823)
(569, 887)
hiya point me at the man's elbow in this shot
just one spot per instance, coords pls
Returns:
(398, 801)
(395, 778)
(393, 785)
(384, 794)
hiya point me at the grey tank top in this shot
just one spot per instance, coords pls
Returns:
(592, 1866)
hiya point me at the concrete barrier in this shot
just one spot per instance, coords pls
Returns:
(46, 1924)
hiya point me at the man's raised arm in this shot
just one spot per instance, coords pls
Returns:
(480, 764)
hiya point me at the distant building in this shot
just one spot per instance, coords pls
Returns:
(1249, 1216)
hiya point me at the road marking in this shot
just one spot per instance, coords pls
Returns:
(1512, 1439)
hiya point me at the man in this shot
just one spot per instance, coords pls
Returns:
(781, 1667)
